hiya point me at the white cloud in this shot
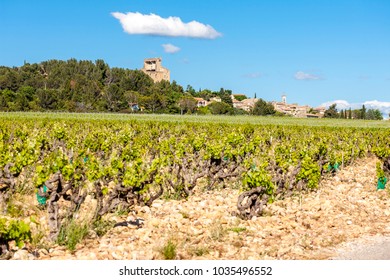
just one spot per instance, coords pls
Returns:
(375, 104)
(341, 104)
(169, 48)
(137, 23)
(384, 107)
(300, 75)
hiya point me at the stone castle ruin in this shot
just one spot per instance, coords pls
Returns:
(153, 68)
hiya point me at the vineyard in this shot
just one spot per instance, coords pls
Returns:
(69, 166)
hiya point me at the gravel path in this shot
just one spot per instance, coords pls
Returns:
(365, 248)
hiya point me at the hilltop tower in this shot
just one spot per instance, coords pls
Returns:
(153, 68)
(284, 99)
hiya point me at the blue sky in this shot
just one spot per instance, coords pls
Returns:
(316, 52)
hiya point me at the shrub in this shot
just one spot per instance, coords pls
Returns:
(11, 230)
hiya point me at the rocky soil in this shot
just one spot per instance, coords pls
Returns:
(310, 226)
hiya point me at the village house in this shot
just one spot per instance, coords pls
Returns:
(299, 111)
(134, 107)
(215, 99)
(246, 104)
(201, 102)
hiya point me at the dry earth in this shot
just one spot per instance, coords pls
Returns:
(316, 225)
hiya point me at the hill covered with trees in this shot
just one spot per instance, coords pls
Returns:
(86, 86)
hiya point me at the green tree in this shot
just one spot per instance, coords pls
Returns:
(378, 115)
(3, 103)
(113, 97)
(140, 82)
(203, 111)
(206, 94)
(220, 108)
(176, 87)
(100, 71)
(172, 99)
(47, 99)
(21, 102)
(225, 96)
(374, 114)
(8, 95)
(187, 104)
(331, 112)
(263, 108)
(240, 97)
(131, 96)
(239, 112)
(154, 103)
(356, 114)
(227, 99)
(363, 112)
(190, 90)
(9, 79)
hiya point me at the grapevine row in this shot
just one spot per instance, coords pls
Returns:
(122, 164)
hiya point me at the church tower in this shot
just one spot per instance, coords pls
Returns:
(284, 99)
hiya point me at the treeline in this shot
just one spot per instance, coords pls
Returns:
(86, 86)
(357, 114)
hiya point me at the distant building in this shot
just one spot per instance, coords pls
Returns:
(295, 110)
(216, 99)
(153, 68)
(200, 102)
(284, 99)
(134, 107)
(320, 111)
(246, 104)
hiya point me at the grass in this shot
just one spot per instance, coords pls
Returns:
(72, 233)
(38, 235)
(245, 119)
(185, 215)
(169, 250)
(199, 251)
(101, 226)
(15, 207)
(122, 211)
(237, 229)
(217, 232)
